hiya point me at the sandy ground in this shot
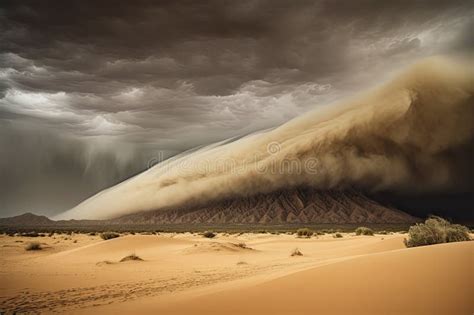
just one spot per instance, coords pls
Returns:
(189, 274)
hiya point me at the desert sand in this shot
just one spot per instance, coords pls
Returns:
(189, 274)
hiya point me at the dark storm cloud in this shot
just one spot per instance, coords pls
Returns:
(164, 76)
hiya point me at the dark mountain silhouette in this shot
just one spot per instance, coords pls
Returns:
(27, 219)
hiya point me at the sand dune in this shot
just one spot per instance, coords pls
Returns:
(231, 248)
(431, 280)
(184, 272)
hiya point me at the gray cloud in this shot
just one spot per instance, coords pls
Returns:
(130, 79)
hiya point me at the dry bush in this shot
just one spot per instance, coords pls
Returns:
(33, 246)
(436, 230)
(296, 252)
(109, 235)
(209, 234)
(338, 235)
(304, 232)
(131, 257)
(364, 231)
(30, 234)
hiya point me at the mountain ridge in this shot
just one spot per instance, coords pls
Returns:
(300, 205)
(291, 206)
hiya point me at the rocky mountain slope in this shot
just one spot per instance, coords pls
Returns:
(281, 207)
(289, 206)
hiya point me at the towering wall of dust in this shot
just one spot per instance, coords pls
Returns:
(414, 133)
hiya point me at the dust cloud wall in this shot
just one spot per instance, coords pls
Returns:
(414, 133)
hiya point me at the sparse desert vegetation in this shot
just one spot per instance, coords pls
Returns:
(109, 235)
(209, 234)
(131, 257)
(305, 232)
(29, 234)
(234, 256)
(296, 252)
(436, 230)
(364, 231)
(33, 246)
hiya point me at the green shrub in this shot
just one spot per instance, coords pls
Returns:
(436, 230)
(209, 234)
(364, 231)
(33, 246)
(304, 232)
(109, 235)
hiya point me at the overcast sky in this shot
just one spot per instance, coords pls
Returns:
(90, 91)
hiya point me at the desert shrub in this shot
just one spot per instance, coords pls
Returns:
(328, 231)
(296, 252)
(304, 232)
(436, 230)
(209, 234)
(242, 245)
(92, 234)
(30, 234)
(109, 235)
(338, 235)
(131, 257)
(382, 232)
(241, 263)
(33, 246)
(364, 231)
